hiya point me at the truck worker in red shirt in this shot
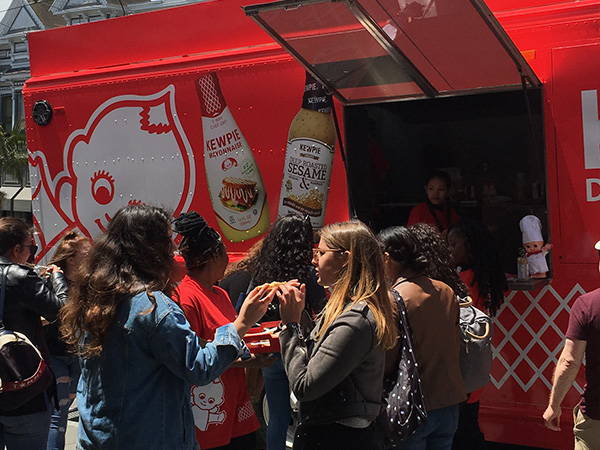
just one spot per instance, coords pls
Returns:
(436, 210)
(582, 338)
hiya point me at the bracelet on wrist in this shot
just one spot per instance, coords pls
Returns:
(294, 327)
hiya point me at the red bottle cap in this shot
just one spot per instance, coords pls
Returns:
(211, 98)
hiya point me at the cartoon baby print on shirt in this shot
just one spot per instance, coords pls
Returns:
(133, 149)
(206, 402)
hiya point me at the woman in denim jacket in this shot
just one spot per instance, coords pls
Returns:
(139, 354)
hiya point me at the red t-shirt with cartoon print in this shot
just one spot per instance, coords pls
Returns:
(222, 409)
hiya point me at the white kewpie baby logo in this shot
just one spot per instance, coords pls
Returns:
(206, 401)
(133, 149)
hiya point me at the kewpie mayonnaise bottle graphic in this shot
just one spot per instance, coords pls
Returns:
(236, 188)
(309, 156)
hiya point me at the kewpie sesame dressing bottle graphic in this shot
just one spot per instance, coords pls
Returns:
(236, 188)
(309, 156)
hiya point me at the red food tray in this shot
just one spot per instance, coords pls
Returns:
(263, 339)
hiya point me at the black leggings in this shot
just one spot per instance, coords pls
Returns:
(245, 442)
(468, 434)
(332, 436)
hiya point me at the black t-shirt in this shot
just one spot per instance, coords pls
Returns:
(584, 325)
(236, 283)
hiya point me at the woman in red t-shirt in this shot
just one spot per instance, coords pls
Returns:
(475, 254)
(436, 210)
(223, 413)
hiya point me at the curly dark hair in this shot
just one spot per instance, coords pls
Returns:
(285, 253)
(134, 255)
(402, 247)
(484, 259)
(439, 258)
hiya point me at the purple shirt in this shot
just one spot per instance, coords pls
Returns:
(584, 325)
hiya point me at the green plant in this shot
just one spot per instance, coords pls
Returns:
(13, 151)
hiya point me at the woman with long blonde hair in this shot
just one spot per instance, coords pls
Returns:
(336, 371)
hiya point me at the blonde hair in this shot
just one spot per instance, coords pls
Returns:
(360, 279)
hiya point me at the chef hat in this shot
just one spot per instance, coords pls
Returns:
(531, 227)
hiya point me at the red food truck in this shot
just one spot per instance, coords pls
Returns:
(190, 108)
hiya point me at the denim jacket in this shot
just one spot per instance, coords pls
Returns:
(136, 394)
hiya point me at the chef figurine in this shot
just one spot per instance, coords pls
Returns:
(533, 242)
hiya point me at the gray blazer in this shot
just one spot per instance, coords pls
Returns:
(339, 376)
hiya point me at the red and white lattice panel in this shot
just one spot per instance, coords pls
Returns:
(529, 333)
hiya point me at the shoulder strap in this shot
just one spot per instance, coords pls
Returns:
(242, 295)
(437, 219)
(399, 300)
(250, 286)
(405, 280)
(2, 294)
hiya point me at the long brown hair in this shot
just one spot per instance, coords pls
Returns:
(362, 278)
(248, 262)
(67, 248)
(134, 255)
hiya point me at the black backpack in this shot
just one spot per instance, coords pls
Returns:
(476, 345)
(23, 372)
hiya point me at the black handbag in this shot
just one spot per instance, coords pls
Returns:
(23, 372)
(403, 406)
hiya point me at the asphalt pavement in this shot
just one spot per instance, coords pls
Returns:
(71, 440)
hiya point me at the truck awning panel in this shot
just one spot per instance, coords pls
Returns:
(377, 50)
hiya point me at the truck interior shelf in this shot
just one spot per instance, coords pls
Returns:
(527, 285)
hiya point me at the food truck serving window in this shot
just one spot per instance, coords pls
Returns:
(490, 145)
(376, 50)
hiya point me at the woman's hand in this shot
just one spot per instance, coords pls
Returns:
(254, 307)
(52, 268)
(291, 302)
